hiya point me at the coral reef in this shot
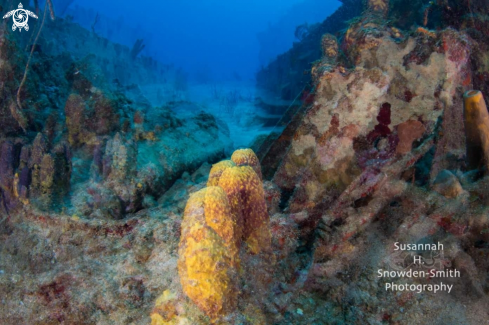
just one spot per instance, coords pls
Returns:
(378, 6)
(112, 210)
(284, 77)
(37, 172)
(406, 160)
(329, 47)
(381, 115)
(75, 120)
(80, 128)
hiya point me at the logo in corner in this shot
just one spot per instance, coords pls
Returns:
(20, 17)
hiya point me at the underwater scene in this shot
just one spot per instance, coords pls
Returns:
(255, 162)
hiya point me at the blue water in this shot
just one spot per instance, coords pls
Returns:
(216, 37)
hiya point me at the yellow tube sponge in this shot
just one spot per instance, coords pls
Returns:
(247, 200)
(207, 262)
(247, 157)
(476, 120)
(216, 171)
(219, 217)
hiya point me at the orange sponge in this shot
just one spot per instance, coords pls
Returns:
(247, 157)
(247, 200)
(217, 170)
(476, 120)
(208, 259)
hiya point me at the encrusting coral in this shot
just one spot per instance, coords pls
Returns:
(75, 120)
(378, 6)
(408, 132)
(329, 47)
(363, 34)
(476, 120)
(207, 253)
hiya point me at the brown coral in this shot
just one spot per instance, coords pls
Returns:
(329, 46)
(75, 119)
(361, 36)
(106, 117)
(378, 6)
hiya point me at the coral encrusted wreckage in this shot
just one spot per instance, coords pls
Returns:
(115, 212)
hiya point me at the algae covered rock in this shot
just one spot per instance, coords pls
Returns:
(447, 184)
(329, 47)
(75, 120)
(120, 159)
(378, 6)
(371, 115)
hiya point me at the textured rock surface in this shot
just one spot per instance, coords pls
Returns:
(447, 184)
(372, 124)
